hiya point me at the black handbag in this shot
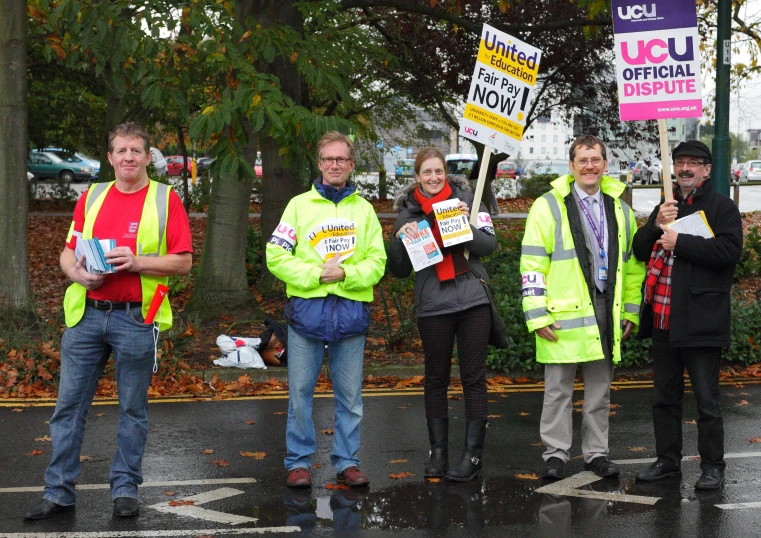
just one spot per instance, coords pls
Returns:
(498, 334)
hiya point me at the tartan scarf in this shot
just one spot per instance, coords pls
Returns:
(454, 262)
(658, 279)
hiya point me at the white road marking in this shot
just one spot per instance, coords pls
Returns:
(193, 510)
(148, 534)
(567, 487)
(690, 458)
(735, 506)
(164, 484)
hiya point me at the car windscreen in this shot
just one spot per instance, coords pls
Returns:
(460, 167)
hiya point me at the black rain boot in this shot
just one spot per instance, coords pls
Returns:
(438, 435)
(470, 464)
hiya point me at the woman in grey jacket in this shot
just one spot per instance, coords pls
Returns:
(450, 301)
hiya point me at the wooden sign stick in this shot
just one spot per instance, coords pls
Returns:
(484, 168)
(665, 160)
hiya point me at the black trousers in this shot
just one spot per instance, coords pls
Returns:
(472, 328)
(702, 365)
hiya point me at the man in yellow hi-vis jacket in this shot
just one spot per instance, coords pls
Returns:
(581, 295)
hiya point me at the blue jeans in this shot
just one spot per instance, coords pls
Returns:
(85, 349)
(305, 357)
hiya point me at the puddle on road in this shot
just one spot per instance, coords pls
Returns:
(492, 501)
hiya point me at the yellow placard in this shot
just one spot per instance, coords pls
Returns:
(508, 63)
(493, 121)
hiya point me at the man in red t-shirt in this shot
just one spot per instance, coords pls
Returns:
(105, 315)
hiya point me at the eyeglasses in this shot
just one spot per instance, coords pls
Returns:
(594, 161)
(692, 163)
(340, 161)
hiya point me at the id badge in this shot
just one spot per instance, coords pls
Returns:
(602, 274)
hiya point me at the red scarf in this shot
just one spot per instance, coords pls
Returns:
(454, 262)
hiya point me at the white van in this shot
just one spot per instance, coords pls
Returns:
(460, 164)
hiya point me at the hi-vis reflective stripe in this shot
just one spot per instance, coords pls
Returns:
(631, 308)
(588, 321)
(535, 313)
(626, 251)
(95, 191)
(527, 250)
(558, 252)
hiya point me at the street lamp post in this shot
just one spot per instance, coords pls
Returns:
(721, 163)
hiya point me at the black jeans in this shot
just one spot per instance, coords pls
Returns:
(702, 365)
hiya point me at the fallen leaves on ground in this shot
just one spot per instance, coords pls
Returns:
(690, 422)
(316, 465)
(454, 397)
(99, 414)
(493, 416)
(524, 414)
(170, 493)
(280, 413)
(536, 444)
(399, 476)
(251, 422)
(254, 455)
(181, 502)
(637, 448)
(17, 410)
(398, 461)
(755, 440)
(35, 452)
(85, 458)
(327, 432)
(330, 485)
(45, 438)
(405, 383)
(433, 480)
(742, 402)
(492, 401)
(531, 476)
(208, 451)
(221, 463)
(615, 406)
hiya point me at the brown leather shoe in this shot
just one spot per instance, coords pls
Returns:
(299, 478)
(352, 476)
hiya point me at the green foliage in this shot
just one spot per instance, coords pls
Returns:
(536, 185)
(746, 319)
(61, 191)
(398, 293)
(750, 261)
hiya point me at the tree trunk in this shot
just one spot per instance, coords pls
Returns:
(184, 152)
(114, 116)
(221, 285)
(279, 184)
(16, 301)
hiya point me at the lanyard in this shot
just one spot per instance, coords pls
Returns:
(599, 235)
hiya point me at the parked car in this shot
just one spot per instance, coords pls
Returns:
(174, 165)
(736, 173)
(639, 172)
(29, 176)
(48, 165)
(506, 169)
(553, 167)
(751, 171)
(203, 164)
(258, 165)
(460, 164)
(405, 168)
(75, 157)
(158, 162)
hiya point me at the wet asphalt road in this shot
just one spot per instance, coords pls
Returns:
(499, 504)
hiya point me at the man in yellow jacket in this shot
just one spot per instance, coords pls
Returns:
(328, 249)
(581, 291)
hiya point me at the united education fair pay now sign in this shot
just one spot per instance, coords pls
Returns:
(657, 59)
(500, 91)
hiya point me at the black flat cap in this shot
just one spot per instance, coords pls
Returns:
(692, 148)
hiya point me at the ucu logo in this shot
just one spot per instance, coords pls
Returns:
(287, 231)
(471, 131)
(657, 51)
(636, 12)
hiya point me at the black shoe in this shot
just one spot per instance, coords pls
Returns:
(470, 464)
(602, 467)
(554, 470)
(438, 435)
(126, 507)
(659, 470)
(712, 478)
(45, 509)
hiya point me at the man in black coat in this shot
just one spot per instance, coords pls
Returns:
(686, 311)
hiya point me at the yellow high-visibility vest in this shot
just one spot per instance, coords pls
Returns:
(151, 241)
